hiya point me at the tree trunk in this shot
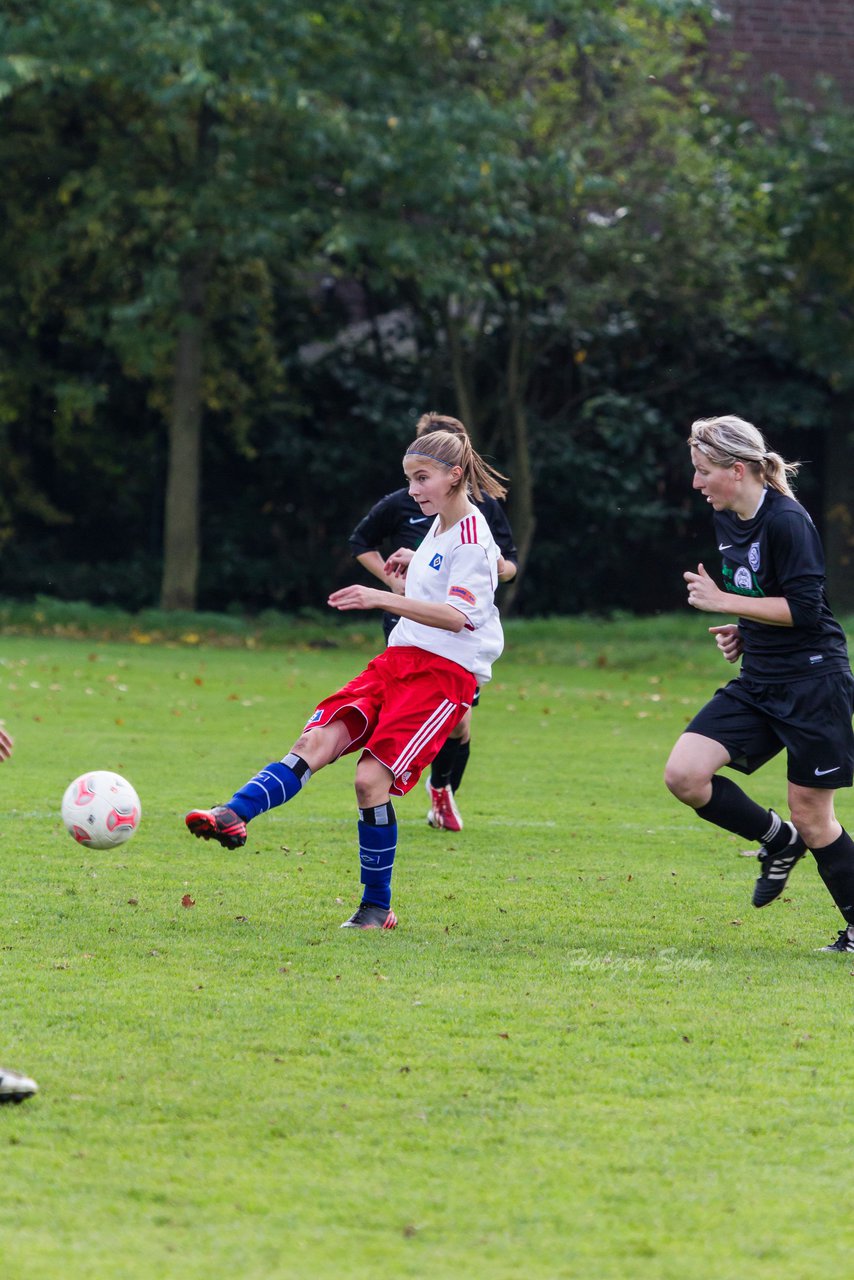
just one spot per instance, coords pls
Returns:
(522, 489)
(839, 510)
(179, 585)
(453, 327)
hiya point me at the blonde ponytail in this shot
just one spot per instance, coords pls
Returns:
(727, 439)
(451, 447)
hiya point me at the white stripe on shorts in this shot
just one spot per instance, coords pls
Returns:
(428, 730)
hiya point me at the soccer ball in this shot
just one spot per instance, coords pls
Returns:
(101, 809)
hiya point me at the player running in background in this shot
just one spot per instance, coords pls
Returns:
(795, 689)
(397, 521)
(402, 707)
(13, 1086)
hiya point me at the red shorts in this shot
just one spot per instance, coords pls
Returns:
(401, 710)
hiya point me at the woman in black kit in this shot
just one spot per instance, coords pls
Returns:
(397, 521)
(795, 690)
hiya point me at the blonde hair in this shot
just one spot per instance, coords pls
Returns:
(439, 422)
(450, 446)
(727, 439)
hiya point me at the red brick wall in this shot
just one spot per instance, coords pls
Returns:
(796, 39)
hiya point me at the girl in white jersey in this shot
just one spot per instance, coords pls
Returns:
(399, 711)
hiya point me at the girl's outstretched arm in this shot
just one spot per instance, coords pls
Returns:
(442, 616)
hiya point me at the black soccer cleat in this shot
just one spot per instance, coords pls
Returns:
(842, 943)
(220, 823)
(368, 916)
(776, 868)
(14, 1087)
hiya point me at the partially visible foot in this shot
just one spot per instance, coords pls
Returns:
(220, 823)
(775, 868)
(843, 942)
(14, 1087)
(368, 916)
(444, 813)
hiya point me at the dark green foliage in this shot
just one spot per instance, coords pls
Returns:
(540, 221)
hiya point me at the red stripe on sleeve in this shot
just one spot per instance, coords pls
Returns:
(468, 532)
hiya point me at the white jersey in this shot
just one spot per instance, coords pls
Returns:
(459, 568)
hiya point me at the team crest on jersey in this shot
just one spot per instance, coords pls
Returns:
(314, 719)
(463, 593)
(743, 581)
(436, 562)
(753, 556)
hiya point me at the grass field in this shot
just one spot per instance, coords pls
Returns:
(582, 1053)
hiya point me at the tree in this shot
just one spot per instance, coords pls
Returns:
(803, 283)
(548, 224)
(203, 139)
(586, 192)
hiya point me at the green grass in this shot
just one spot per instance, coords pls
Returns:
(582, 1054)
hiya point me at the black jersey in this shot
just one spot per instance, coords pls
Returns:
(778, 553)
(398, 521)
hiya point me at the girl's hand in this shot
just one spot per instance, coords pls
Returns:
(729, 641)
(506, 570)
(398, 562)
(703, 594)
(357, 598)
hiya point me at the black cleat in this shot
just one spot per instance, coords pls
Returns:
(14, 1087)
(842, 943)
(368, 916)
(220, 823)
(776, 867)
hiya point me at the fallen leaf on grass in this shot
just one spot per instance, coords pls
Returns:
(187, 901)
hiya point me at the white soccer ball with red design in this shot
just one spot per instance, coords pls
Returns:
(101, 809)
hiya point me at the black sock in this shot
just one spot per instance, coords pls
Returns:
(836, 867)
(733, 810)
(460, 766)
(443, 763)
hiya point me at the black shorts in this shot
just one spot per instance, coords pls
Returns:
(810, 718)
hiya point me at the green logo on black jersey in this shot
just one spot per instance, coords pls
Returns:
(741, 581)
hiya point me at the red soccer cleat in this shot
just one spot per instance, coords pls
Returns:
(444, 813)
(220, 823)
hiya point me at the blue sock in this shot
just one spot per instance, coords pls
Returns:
(377, 846)
(278, 783)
